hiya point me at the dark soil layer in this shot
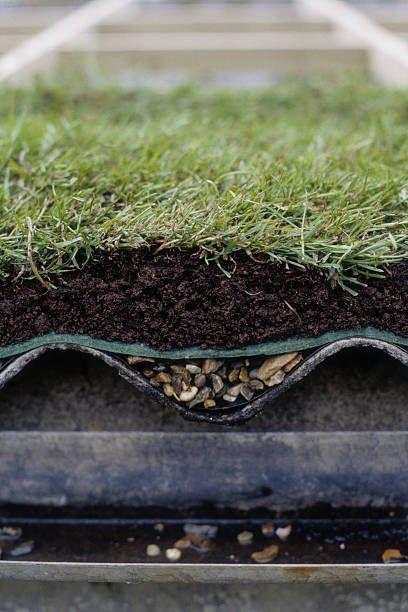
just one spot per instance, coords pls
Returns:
(173, 299)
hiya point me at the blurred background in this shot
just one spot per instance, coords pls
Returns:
(238, 43)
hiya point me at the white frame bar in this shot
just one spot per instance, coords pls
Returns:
(58, 34)
(389, 51)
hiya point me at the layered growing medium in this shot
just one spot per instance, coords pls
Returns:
(199, 217)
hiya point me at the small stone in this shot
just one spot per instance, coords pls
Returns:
(159, 527)
(217, 383)
(276, 379)
(289, 366)
(200, 380)
(148, 373)
(168, 390)
(187, 396)
(245, 537)
(211, 365)
(196, 541)
(25, 548)
(229, 398)
(342, 546)
(256, 385)
(233, 376)
(222, 372)
(177, 384)
(153, 550)
(271, 365)
(392, 555)
(243, 375)
(284, 532)
(133, 359)
(193, 369)
(268, 529)
(130, 539)
(10, 534)
(173, 554)
(247, 392)
(183, 372)
(182, 543)
(266, 555)
(200, 398)
(206, 531)
(162, 377)
(209, 403)
(253, 373)
(235, 390)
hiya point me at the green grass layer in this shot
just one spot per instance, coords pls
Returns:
(310, 174)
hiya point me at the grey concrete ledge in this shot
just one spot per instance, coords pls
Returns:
(204, 572)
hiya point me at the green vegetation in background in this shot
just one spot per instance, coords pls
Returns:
(311, 174)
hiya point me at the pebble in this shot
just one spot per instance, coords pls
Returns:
(209, 403)
(207, 531)
(168, 390)
(217, 383)
(289, 366)
(196, 541)
(247, 392)
(268, 529)
(233, 376)
(271, 365)
(133, 359)
(183, 372)
(159, 527)
(245, 537)
(243, 375)
(193, 369)
(187, 396)
(284, 532)
(266, 555)
(182, 543)
(276, 379)
(153, 550)
(200, 398)
(162, 377)
(177, 384)
(211, 365)
(200, 380)
(256, 385)
(235, 390)
(10, 534)
(392, 555)
(173, 554)
(229, 398)
(25, 548)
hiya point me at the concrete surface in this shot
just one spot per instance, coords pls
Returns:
(68, 597)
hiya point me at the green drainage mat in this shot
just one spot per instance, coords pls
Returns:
(139, 349)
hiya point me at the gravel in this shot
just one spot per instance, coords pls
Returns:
(208, 384)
